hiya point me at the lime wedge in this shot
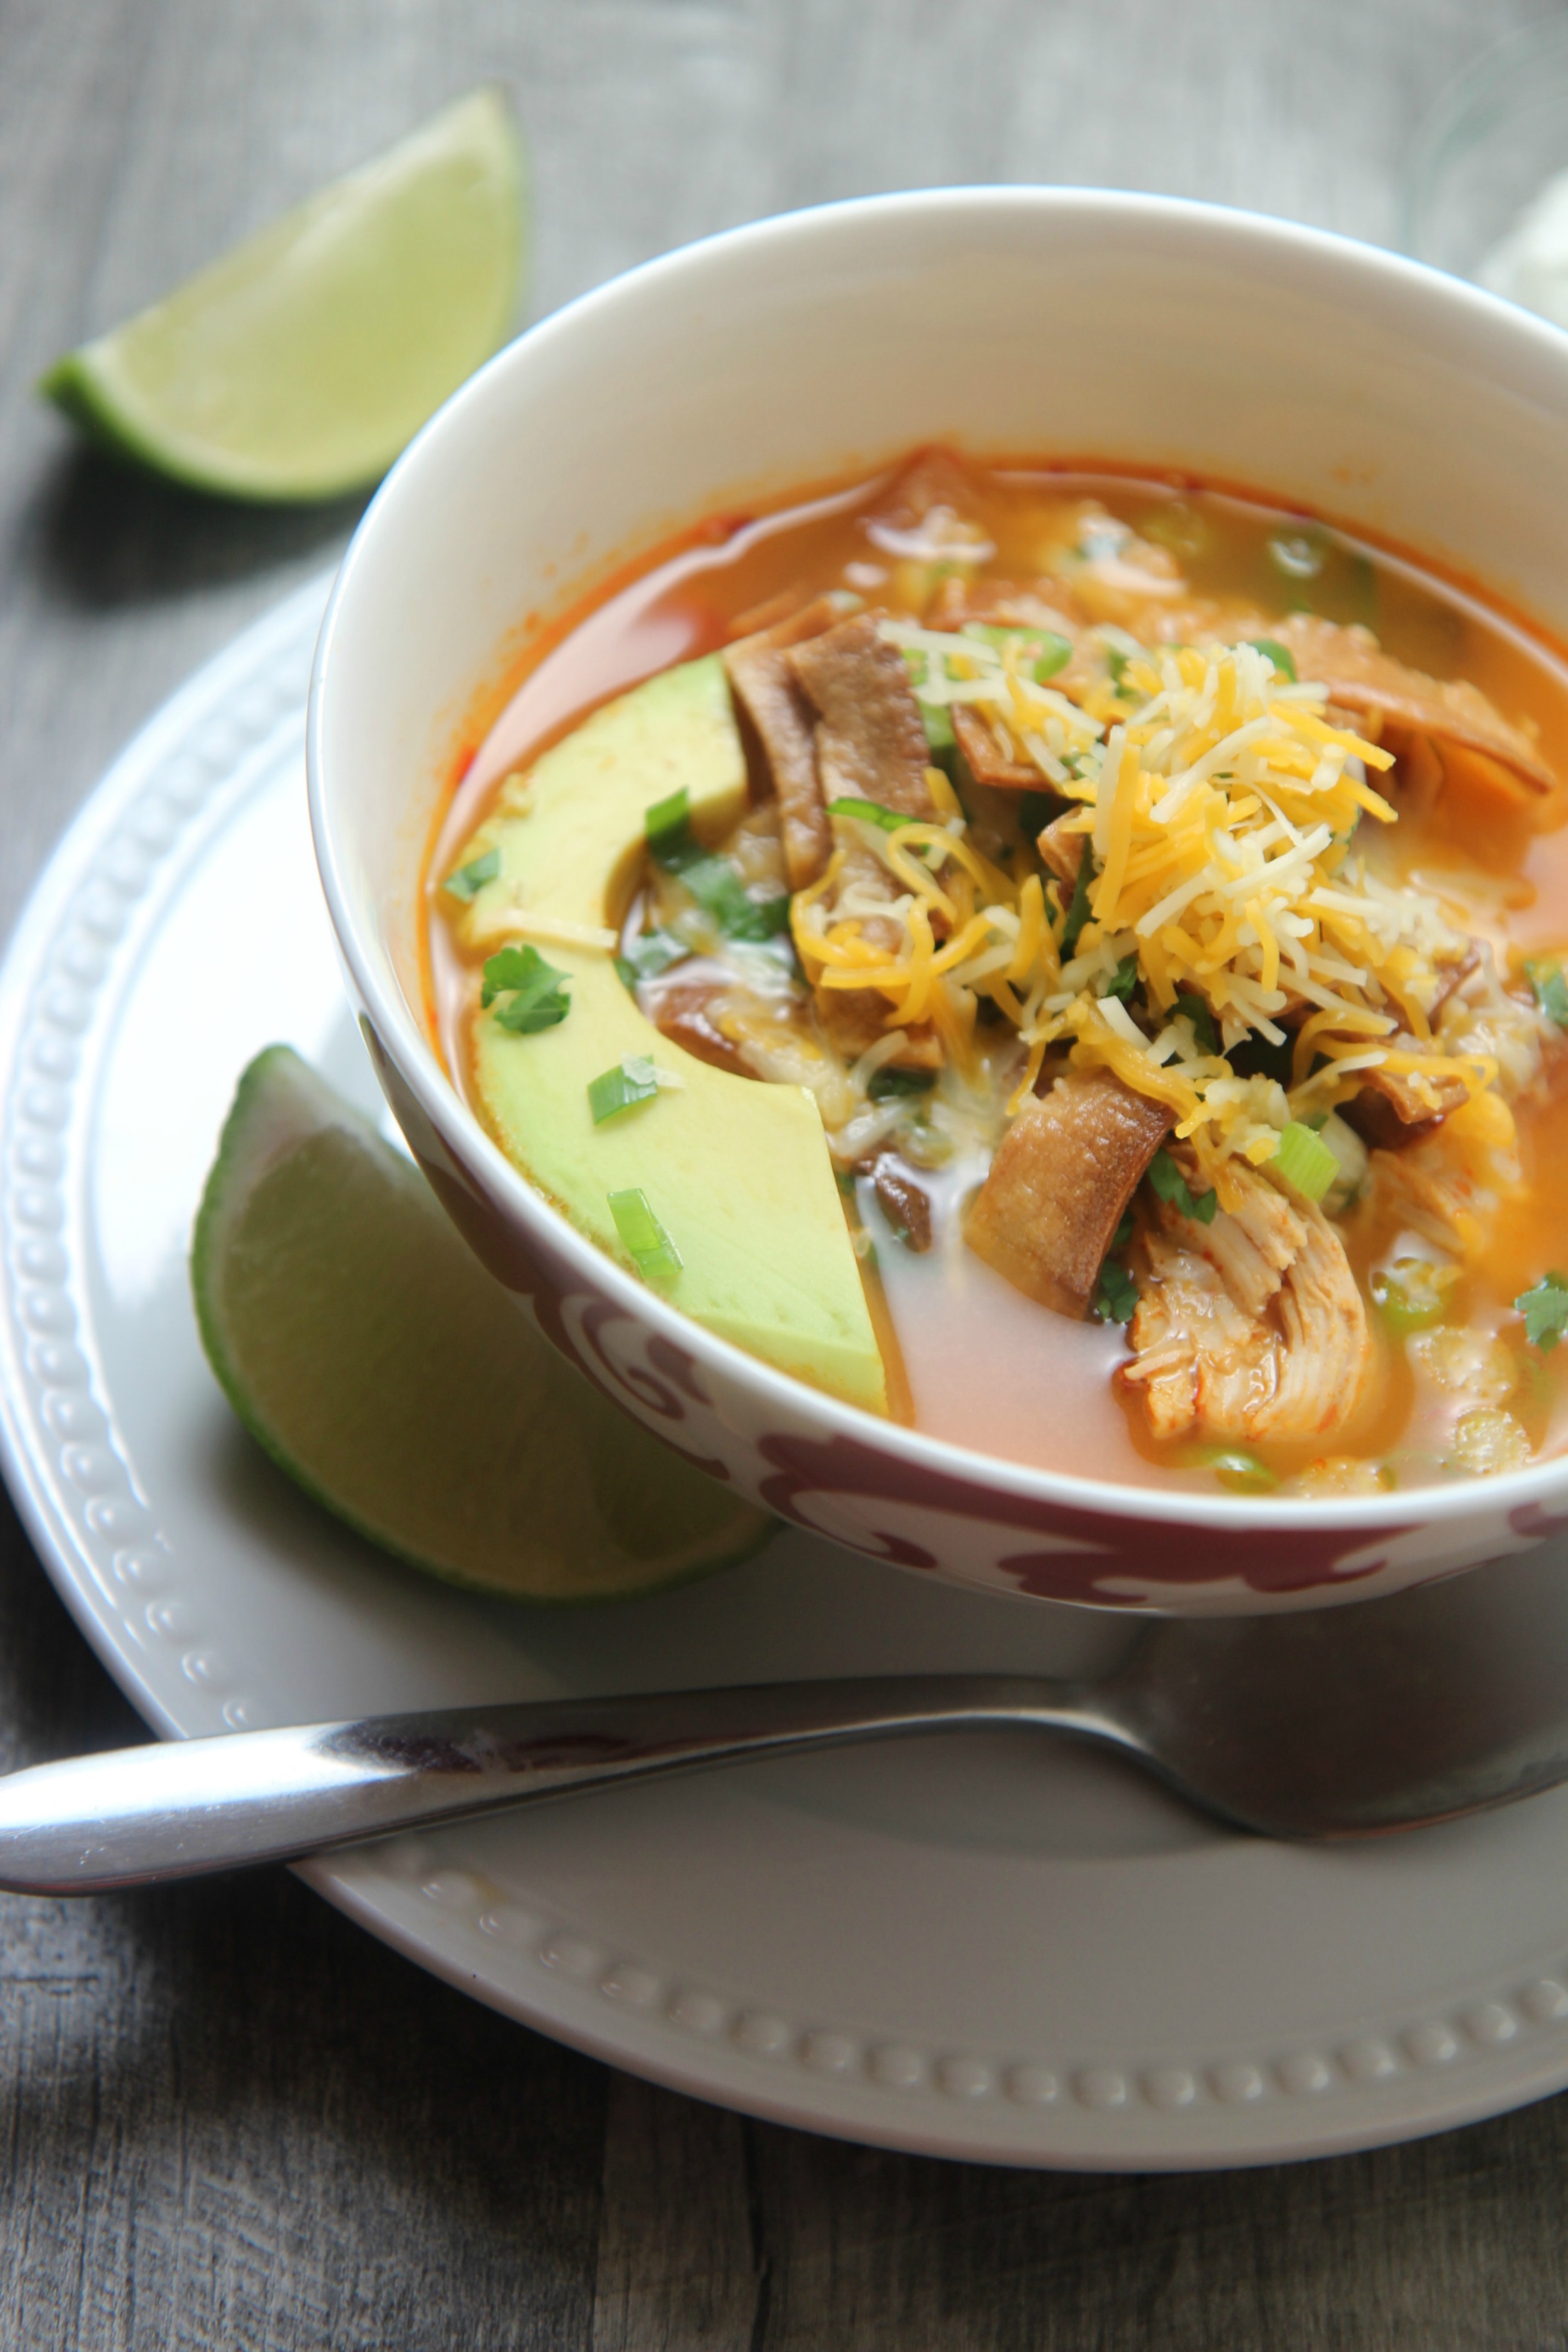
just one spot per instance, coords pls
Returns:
(363, 1344)
(299, 365)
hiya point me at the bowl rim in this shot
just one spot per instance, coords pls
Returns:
(1400, 1509)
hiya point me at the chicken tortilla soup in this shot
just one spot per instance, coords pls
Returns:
(1067, 960)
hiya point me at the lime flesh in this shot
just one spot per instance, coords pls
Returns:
(362, 1343)
(299, 364)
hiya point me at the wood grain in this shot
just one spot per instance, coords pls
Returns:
(227, 2117)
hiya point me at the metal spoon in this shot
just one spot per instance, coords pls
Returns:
(1341, 1723)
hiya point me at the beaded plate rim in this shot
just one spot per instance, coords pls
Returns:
(1489, 2046)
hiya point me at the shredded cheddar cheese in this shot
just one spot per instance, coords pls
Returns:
(1219, 806)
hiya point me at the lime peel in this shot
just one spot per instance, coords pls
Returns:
(297, 366)
(364, 1346)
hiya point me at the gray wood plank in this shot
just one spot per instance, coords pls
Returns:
(225, 2117)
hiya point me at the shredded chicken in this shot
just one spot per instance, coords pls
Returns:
(1251, 1328)
(1062, 1177)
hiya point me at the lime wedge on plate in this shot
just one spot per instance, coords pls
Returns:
(299, 365)
(359, 1339)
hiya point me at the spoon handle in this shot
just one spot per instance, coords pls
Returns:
(180, 1808)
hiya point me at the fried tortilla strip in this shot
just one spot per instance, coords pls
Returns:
(1395, 1108)
(1251, 1328)
(1361, 678)
(870, 745)
(988, 761)
(1064, 1171)
(771, 697)
(935, 480)
(853, 1019)
(680, 1003)
(1062, 850)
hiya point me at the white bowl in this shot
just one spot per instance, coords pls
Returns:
(1016, 321)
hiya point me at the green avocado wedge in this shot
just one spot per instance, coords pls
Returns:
(297, 366)
(735, 1174)
(361, 1342)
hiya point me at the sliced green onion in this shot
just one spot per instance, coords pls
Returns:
(1077, 908)
(871, 813)
(1545, 1311)
(634, 1079)
(935, 717)
(1167, 1182)
(649, 955)
(1052, 652)
(467, 879)
(887, 1085)
(1413, 1292)
(1283, 659)
(1242, 1471)
(1305, 1161)
(1546, 978)
(536, 991)
(643, 1234)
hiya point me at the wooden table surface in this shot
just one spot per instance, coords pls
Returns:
(227, 2117)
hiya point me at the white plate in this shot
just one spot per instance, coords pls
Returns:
(979, 1947)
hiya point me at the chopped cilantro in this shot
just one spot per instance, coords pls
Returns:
(1255, 1058)
(1078, 910)
(643, 1234)
(1545, 1311)
(887, 1085)
(634, 1079)
(717, 887)
(470, 878)
(1167, 1181)
(1546, 978)
(649, 955)
(870, 813)
(536, 992)
(668, 824)
(1116, 1298)
(1123, 1233)
(1202, 1019)
(1283, 659)
(714, 882)
(1124, 979)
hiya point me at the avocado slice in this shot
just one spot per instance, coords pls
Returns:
(737, 1171)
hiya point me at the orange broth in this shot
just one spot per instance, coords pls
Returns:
(981, 1365)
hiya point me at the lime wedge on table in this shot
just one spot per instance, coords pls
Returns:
(360, 1340)
(299, 365)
